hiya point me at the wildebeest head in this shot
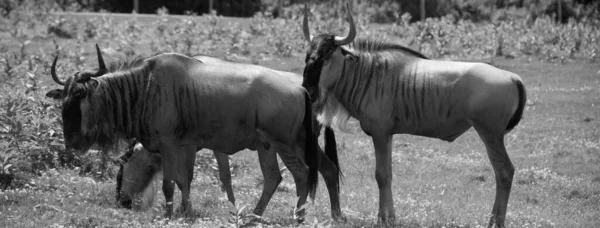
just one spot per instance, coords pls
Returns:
(135, 180)
(325, 57)
(80, 128)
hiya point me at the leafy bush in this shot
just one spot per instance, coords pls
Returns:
(63, 28)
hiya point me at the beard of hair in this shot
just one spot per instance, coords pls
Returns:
(331, 112)
(101, 132)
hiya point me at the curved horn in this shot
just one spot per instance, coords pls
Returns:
(101, 66)
(53, 72)
(351, 34)
(307, 35)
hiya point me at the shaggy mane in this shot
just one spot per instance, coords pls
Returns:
(119, 100)
(129, 62)
(370, 45)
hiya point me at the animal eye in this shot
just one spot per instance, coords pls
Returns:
(78, 93)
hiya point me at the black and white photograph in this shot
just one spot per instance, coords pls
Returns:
(300, 113)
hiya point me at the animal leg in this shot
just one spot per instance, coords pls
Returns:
(185, 175)
(168, 187)
(225, 174)
(503, 173)
(300, 172)
(383, 175)
(272, 177)
(329, 171)
(177, 169)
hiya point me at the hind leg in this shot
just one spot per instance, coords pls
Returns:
(329, 171)
(300, 172)
(327, 167)
(225, 174)
(503, 171)
(272, 177)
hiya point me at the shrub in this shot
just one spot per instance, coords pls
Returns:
(62, 28)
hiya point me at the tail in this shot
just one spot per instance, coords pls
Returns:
(514, 120)
(331, 152)
(311, 152)
(119, 187)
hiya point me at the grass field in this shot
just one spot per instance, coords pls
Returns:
(555, 150)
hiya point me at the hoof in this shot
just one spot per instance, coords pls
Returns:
(169, 210)
(387, 222)
(495, 223)
(340, 218)
(299, 216)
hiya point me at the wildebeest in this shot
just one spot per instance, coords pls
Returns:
(137, 165)
(138, 170)
(391, 89)
(173, 104)
(136, 180)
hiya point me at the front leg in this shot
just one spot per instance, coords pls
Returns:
(383, 175)
(178, 168)
(225, 174)
(168, 183)
(185, 175)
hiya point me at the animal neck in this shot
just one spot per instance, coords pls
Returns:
(351, 87)
(119, 104)
(339, 104)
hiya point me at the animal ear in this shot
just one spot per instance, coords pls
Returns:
(348, 55)
(94, 83)
(55, 94)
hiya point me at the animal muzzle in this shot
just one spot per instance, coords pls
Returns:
(125, 201)
(76, 144)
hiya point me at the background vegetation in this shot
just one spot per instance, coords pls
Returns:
(436, 184)
(380, 11)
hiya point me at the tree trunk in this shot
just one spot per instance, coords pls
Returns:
(559, 15)
(279, 7)
(136, 6)
(422, 10)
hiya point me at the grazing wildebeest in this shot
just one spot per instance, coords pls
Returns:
(391, 89)
(137, 178)
(138, 172)
(173, 104)
(137, 165)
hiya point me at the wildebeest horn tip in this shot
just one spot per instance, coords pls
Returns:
(53, 72)
(101, 65)
(305, 31)
(351, 34)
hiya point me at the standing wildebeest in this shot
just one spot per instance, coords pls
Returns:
(138, 170)
(173, 104)
(391, 89)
